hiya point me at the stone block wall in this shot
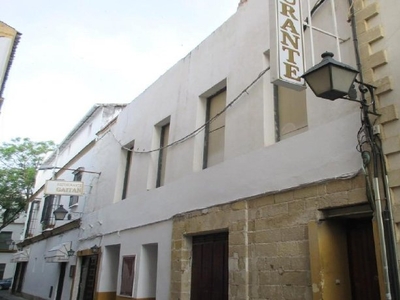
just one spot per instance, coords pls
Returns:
(375, 59)
(269, 256)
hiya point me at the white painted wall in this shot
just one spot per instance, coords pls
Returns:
(147, 276)
(109, 268)
(5, 49)
(131, 241)
(40, 276)
(83, 133)
(254, 164)
(310, 157)
(80, 137)
(16, 228)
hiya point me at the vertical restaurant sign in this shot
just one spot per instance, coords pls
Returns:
(287, 60)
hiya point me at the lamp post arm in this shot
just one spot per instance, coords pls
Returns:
(68, 169)
(364, 88)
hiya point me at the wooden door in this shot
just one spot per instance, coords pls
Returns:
(88, 277)
(19, 277)
(210, 267)
(362, 260)
(60, 285)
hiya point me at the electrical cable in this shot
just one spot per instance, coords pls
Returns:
(199, 129)
(389, 225)
(384, 218)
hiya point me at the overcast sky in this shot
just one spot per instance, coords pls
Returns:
(76, 53)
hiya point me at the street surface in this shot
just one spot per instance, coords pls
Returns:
(6, 295)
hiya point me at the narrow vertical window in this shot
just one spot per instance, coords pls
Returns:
(5, 240)
(162, 158)
(214, 141)
(77, 177)
(32, 219)
(290, 112)
(48, 208)
(2, 269)
(128, 275)
(128, 163)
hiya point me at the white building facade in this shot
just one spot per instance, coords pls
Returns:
(46, 264)
(216, 183)
(9, 237)
(9, 39)
(11, 234)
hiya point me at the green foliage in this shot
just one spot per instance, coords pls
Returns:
(19, 161)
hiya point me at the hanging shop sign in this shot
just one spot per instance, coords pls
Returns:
(287, 60)
(60, 187)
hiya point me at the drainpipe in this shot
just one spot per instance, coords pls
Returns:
(355, 39)
(391, 234)
(378, 215)
(276, 114)
(377, 198)
(375, 180)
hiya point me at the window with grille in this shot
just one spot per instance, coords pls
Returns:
(47, 213)
(75, 199)
(5, 240)
(33, 216)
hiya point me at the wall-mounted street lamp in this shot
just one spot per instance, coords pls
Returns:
(70, 252)
(95, 249)
(331, 80)
(60, 213)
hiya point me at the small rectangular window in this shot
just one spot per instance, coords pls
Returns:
(2, 269)
(128, 275)
(48, 208)
(162, 157)
(5, 240)
(291, 112)
(77, 177)
(214, 141)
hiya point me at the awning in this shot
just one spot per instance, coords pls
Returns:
(58, 254)
(20, 256)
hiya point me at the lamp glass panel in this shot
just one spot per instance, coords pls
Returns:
(342, 79)
(60, 213)
(319, 81)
